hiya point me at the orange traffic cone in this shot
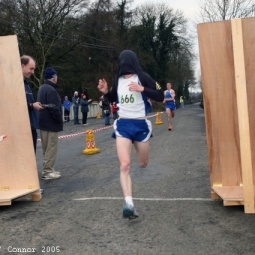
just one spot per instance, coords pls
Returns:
(98, 115)
(90, 143)
(158, 119)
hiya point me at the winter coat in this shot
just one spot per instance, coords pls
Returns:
(32, 112)
(76, 102)
(84, 105)
(106, 106)
(50, 119)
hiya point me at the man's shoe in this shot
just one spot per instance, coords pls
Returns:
(128, 212)
(56, 172)
(51, 176)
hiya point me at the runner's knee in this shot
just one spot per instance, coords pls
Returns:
(125, 167)
(143, 163)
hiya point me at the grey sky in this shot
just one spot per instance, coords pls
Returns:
(190, 9)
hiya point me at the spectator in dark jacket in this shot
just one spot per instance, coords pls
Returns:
(76, 103)
(107, 111)
(50, 122)
(84, 108)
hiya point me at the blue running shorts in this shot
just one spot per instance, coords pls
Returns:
(139, 130)
(171, 106)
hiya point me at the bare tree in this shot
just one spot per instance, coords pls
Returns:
(164, 44)
(217, 10)
(40, 26)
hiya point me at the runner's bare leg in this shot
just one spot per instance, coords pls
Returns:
(169, 116)
(142, 150)
(124, 147)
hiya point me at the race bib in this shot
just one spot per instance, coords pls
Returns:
(128, 99)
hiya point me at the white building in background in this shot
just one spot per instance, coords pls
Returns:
(94, 108)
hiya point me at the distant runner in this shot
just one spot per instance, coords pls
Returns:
(169, 102)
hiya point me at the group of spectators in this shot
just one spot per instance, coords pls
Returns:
(77, 102)
(82, 102)
(45, 114)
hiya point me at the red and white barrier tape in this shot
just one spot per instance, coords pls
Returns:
(81, 133)
(94, 131)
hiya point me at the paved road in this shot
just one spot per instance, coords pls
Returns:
(172, 197)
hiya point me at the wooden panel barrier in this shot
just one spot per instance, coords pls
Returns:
(18, 170)
(227, 70)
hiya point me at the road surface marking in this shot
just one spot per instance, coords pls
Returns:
(143, 199)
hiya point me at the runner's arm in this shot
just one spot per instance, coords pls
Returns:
(111, 94)
(152, 89)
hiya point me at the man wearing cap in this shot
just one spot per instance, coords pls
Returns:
(50, 122)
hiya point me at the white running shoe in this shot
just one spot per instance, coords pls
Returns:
(51, 176)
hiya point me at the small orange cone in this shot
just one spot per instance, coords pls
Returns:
(90, 143)
(98, 115)
(158, 119)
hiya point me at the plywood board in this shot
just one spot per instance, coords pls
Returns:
(230, 193)
(243, 114)
(6, 197)
(217, 67)
(248, 25)
(17, 158)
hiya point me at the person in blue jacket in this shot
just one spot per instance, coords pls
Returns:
(67, 106)
(131, 89)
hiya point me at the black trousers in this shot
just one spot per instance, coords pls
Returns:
(34, 135)
(84, 117)
(66, 114)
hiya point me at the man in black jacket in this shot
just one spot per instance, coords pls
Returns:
(50, 122)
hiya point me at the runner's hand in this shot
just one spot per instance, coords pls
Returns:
(102, 86)
(133, 86)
